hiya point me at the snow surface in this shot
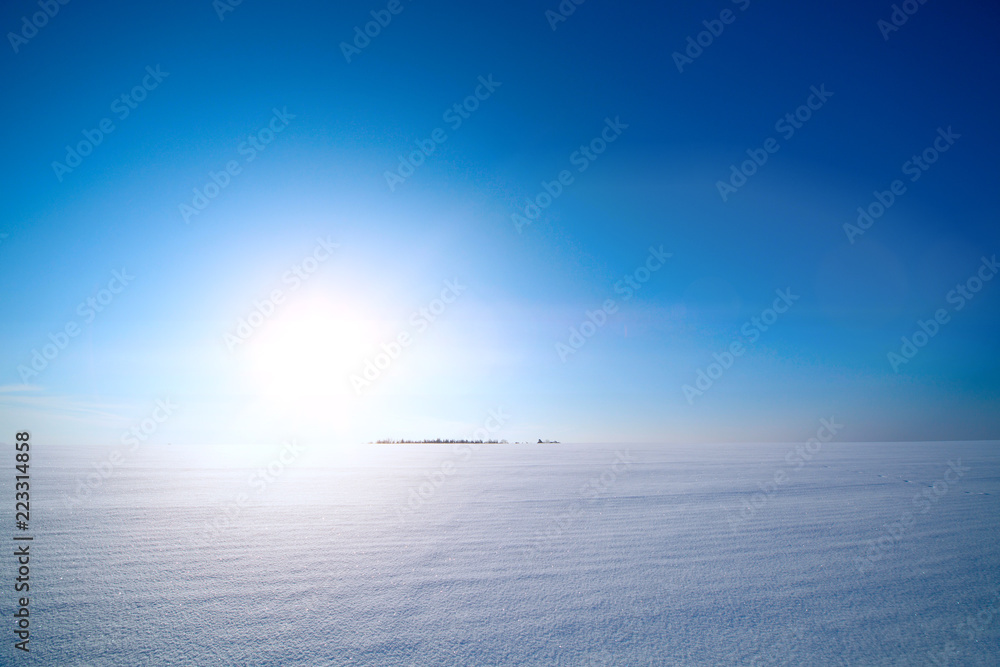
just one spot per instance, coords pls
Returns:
(521, 555)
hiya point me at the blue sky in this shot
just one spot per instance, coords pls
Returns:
(327, 131)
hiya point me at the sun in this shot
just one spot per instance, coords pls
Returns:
(302, 357)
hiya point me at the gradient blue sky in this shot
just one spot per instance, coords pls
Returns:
(495, 346)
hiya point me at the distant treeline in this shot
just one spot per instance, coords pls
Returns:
(439, 441)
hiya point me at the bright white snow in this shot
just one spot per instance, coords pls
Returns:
(520, 555)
